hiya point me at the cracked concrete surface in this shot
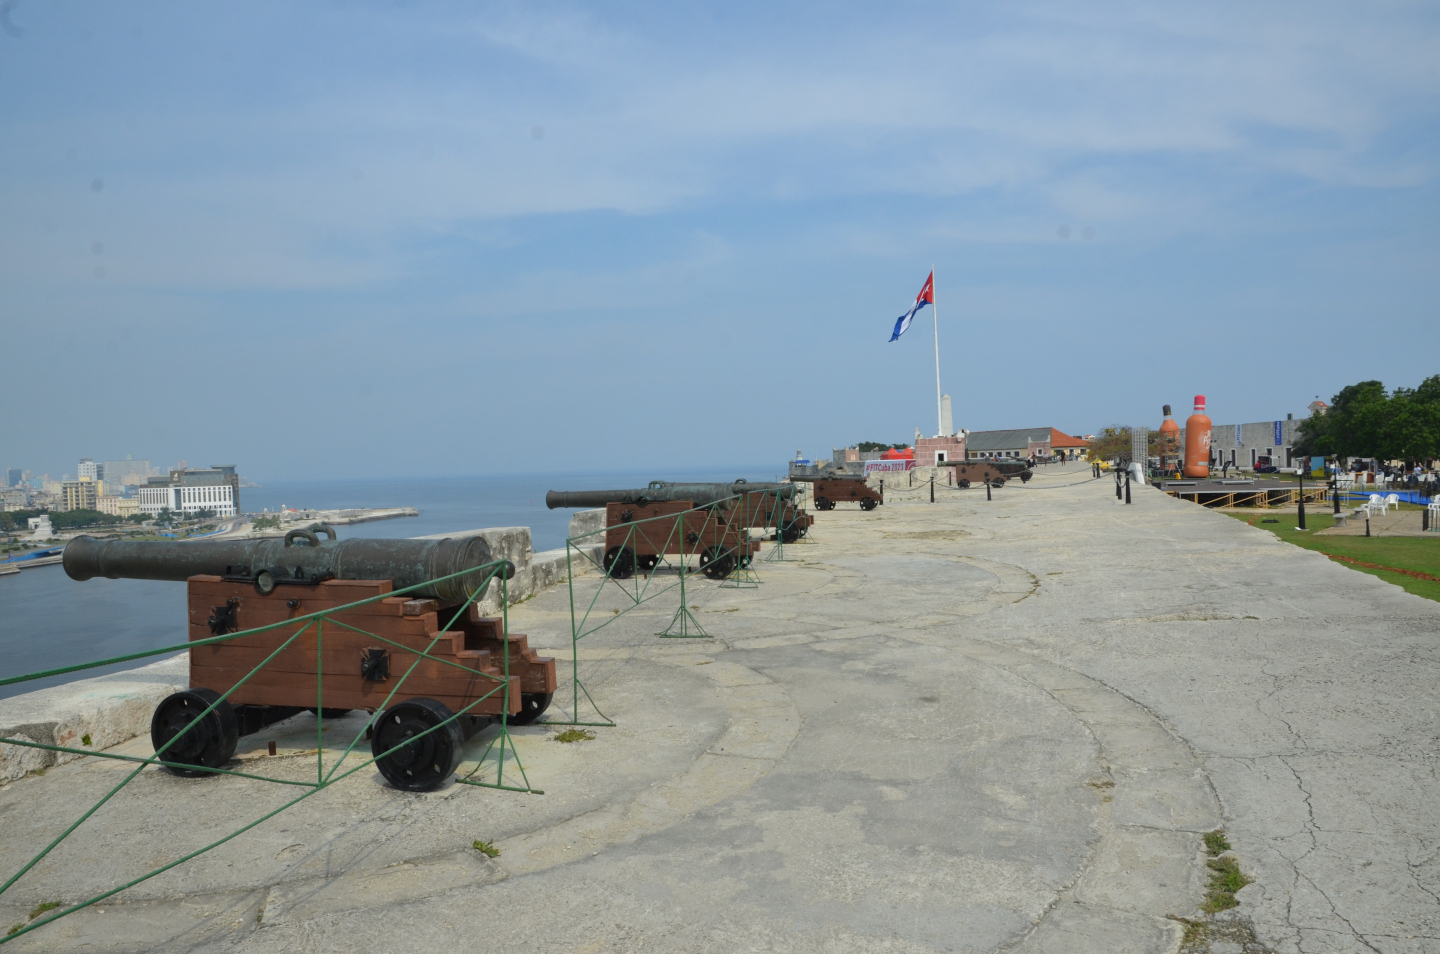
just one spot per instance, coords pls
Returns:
(972, 726)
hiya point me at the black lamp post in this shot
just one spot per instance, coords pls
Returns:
(1301, 472)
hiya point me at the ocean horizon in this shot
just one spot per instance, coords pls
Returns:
(48, 620)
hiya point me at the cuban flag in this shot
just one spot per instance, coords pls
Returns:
(926, 297)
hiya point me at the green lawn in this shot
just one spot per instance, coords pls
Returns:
(1405, 553)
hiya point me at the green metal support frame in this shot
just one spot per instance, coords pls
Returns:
(323, 779)
(777, 553)
(683, 625)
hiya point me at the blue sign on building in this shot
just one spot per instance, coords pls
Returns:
(1278, 439)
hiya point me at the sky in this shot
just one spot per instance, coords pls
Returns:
(414, 239)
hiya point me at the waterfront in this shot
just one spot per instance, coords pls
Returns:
(48, 620)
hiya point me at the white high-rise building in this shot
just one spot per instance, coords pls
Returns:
(192, 490)
(90, 470)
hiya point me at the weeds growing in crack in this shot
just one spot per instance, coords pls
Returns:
(1195, 931)
(1225, 875)
(1225, 879)
(574, 735)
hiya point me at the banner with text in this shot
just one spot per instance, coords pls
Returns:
(887, 466)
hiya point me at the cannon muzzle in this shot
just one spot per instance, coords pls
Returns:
(662, 491)
(272, 562)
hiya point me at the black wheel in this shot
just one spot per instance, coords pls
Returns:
(822, 503)
(790, 534)
(331, 713)
(1025, 477)
(620, 562)
(204, 743)
(419, 762)
(648, 562)
(963, 483)
(998, 482)
(532, 707)
(717, 562)
(867, 503)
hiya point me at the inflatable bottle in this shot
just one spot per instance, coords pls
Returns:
(1169, 434)
(1197, 441)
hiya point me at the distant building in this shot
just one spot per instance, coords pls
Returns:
(89, 470)
(16, 498)
(1024, 443)
(82, 494)
(127, 472)
(935, 451)
(1242, 445)
(13, 476)
(189, 491)
(118, 506)
(1318, 406)
(40, 526)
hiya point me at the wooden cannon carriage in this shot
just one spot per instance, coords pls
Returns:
(718, 531)
(759, 510)
(829, 491)
(371, 656)
(722, 543)
(992, 471)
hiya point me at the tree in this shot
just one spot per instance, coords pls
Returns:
(1112, 442)
(76, 519)
(867, 446)
(1364, 421)
(17, 519)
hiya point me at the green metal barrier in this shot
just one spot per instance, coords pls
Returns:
(323, 779)
(683, 625)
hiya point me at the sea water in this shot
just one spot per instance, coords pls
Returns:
(48, 620)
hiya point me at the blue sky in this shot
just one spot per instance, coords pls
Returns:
(410, 239)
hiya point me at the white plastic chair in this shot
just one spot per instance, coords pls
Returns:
(1434, 508)
(1375, 505)
(1392, 500)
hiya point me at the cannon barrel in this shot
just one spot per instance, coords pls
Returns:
(662, 491)
(273, 561)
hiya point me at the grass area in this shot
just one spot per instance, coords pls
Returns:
(1421, 554)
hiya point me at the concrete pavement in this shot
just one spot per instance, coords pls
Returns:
(967, 726)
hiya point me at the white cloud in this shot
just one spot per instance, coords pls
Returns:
(331, 185)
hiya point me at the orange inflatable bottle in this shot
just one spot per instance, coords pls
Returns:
(1197, 441)
(1169, 434)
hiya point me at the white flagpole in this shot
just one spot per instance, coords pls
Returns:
(935, 307)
